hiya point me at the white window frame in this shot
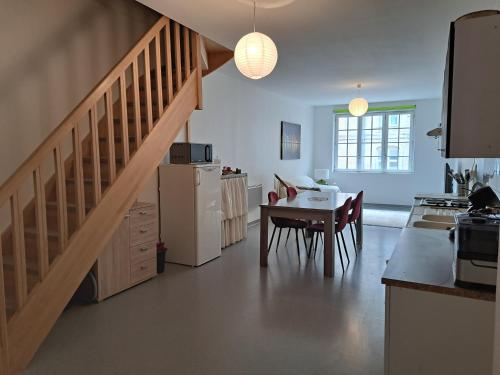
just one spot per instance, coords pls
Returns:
(385, 130)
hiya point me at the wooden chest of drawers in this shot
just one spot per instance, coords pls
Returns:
(130, 256)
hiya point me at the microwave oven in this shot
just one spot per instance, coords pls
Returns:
(191, 153)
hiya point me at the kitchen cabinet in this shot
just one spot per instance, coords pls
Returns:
(433, 326)
(130, 256)
(472, 88)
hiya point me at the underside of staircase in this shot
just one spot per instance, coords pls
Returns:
(62, 205)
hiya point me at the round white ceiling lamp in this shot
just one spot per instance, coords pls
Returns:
(255, 54)
(358, 106)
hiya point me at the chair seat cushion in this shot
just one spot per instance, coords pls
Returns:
(320, 227)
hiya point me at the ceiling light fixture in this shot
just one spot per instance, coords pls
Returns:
(255, 54)
(358, 106)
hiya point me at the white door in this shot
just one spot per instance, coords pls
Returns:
(208, 213)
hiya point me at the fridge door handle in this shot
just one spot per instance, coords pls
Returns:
(197, 178)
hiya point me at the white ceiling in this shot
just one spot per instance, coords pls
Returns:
(395, 48)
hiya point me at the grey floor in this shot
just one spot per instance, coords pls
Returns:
(233, 317)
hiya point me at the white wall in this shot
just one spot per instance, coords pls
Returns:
(387, 188)
(243, 121)
(53, 53)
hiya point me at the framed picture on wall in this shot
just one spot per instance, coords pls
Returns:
(290, 141)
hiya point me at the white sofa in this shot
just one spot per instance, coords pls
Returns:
(303, 182)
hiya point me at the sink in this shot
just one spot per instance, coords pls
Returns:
(432, 225)
(439, 218)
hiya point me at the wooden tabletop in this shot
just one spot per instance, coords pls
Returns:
(424, 260)
(313, 200)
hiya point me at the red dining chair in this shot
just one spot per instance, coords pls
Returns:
(357, 205)
(291, 192)
(284, 223)
(342, 217)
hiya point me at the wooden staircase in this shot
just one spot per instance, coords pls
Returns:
(62, 205)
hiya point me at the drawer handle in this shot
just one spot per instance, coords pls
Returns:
(143, 249)
(142, 213)
(143, 231)
(143, 268)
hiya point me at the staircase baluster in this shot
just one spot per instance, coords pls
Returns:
(187, 54)
(124, 118)
(137, 103)
(178, 62)
(197, 66)
(108, 97)
(78, 175)
(41, 224)
(168, 63)
(18, 250)
(62, 222)
(159, 83)
(96, 160)
(3, 316)
(147, 75)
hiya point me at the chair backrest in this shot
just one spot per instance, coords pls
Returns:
(272, 197)
(343, 214)
(291, 192)
(357, 204)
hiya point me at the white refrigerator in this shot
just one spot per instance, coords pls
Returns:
(190, 206)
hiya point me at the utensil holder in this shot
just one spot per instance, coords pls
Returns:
(462, 189)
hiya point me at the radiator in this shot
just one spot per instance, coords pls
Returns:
(254, 202)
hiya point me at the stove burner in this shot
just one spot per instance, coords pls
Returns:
(445, 203)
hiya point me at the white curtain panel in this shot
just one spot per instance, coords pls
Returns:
(234, 206)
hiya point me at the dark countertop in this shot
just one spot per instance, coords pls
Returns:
(424, 259)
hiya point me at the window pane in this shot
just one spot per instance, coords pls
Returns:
(353, 136)
(377, 135)
(342, 163)
(404, 135)
(405, 120)
(393, 121)
(366, 136)
(342, 123)
(392, 135)
(377, 122)
(342, 137)
(376, 163)
(366, 163)
(352, 150)
(351, 163)
(404, 164)
(404, 149)
(392, 163)
(366, 149)
(353, 123)
(342, 150)
(377, 149)
(392, 149)
(367, 122)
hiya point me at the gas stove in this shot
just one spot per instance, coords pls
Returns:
(444, 203)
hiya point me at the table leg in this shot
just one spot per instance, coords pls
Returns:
(329, 250)
(264, 225)
(359, 230)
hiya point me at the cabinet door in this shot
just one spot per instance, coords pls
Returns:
(113, 266)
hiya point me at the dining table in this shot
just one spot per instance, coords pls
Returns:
(309, 206)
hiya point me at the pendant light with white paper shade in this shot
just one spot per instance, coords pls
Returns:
(255, 54)
(358, 106)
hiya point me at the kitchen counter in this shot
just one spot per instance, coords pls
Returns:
(432, 326)
(424, 260)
